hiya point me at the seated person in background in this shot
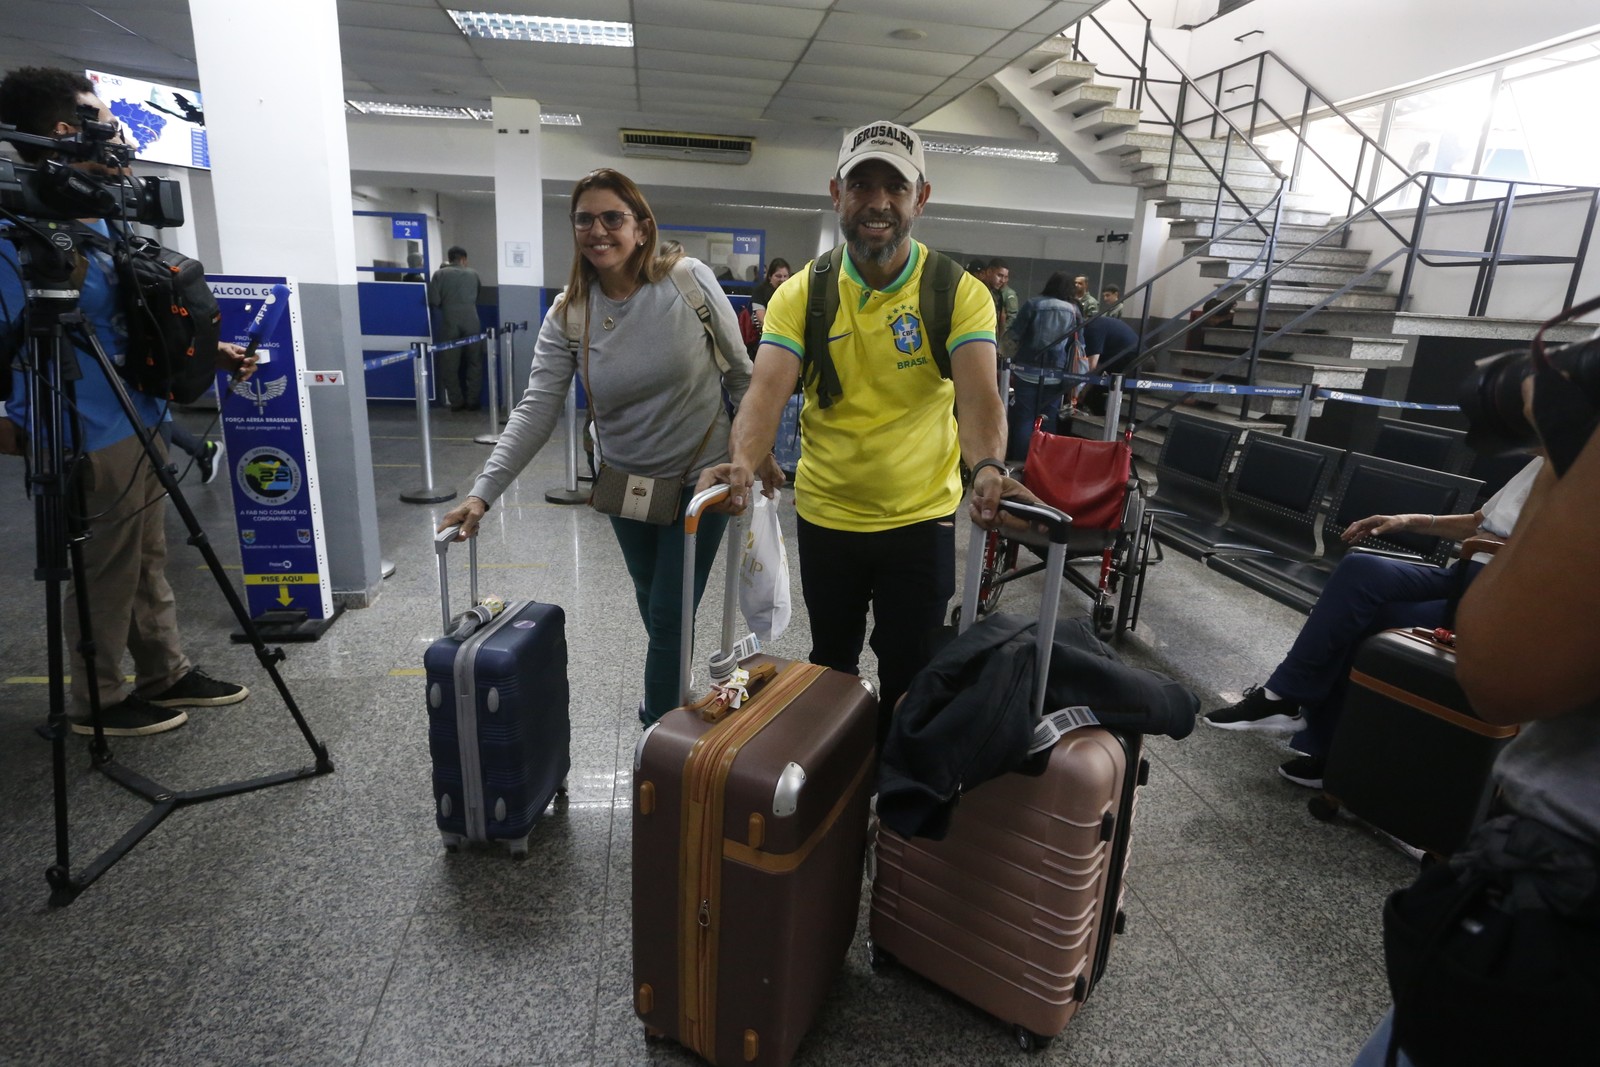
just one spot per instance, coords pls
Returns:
(1365, 594)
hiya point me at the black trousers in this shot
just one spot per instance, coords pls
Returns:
(906, 575)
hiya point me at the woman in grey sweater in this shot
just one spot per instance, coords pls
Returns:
(655, 391)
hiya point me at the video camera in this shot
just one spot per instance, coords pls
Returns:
(1491, 397)
(56, 190)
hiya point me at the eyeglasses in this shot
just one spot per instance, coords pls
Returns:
(611, 220)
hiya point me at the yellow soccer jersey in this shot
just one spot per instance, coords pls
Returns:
(885, 454)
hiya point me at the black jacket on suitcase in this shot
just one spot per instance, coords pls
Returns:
(968, 717)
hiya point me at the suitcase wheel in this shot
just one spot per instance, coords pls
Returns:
(1323, 807)
(1027, 1040)
(452, 842)
(561, 790)
(877, 957)
(519, 848)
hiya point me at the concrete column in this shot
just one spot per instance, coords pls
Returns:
(828, 233)
(519, 222)
(274, 97)
(1147, 241)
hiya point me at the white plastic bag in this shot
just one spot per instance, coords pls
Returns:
(764, 571)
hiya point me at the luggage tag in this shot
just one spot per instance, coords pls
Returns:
(1056, 725)
(731, 695)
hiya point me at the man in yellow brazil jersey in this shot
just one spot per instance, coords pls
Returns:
(892, 342)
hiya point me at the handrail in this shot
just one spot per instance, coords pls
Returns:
(1310, 90)
(1361, 208)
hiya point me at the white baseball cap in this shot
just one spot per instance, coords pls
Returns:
(897, 145)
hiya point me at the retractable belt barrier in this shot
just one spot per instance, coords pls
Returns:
(1228, 389)
(388, 360)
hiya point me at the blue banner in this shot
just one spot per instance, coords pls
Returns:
(266, 425)
(1380, 402)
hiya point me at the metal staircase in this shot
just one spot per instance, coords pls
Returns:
(1269, 290)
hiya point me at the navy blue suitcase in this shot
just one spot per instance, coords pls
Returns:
(498, 726)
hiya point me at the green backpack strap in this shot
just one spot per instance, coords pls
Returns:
(940, 276)
(821, 310)
(937, 297)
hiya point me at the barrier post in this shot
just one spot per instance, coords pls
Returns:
(491, 351)
(509, 367)
(1302, 411)
(1113, 409)
(427, 493)
(570, 494)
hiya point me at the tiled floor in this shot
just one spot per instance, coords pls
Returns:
(321, 922)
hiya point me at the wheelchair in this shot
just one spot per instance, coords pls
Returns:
(1109, 550)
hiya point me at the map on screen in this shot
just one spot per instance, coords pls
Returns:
(164, 124)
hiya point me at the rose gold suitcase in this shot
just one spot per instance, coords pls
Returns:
(748, 840)
(1016, 908)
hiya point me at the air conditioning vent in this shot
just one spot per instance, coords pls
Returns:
(699, 147)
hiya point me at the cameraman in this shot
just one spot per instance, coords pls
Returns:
(131, 606)
(1494, 957)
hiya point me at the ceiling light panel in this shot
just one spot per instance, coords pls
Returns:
(1028, 155)
(418, 111)
(504, 27)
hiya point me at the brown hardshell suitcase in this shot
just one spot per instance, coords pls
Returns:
(748, 840)
(1015, 909)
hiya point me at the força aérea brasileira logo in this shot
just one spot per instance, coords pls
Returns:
(269, 476)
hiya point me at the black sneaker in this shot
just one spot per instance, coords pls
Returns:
(210, 462)
(132, 717)
(1255, 712)
(198, 689)
(1304, 770)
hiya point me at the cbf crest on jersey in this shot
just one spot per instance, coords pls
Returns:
(907, 333)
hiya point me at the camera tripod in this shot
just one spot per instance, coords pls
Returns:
(58, 333)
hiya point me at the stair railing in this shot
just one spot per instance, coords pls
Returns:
(1186, 88)
(1411, 248)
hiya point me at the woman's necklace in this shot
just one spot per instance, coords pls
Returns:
(610, 322)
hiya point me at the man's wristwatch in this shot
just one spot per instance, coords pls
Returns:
(1005, 472)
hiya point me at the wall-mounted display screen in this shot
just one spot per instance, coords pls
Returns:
(164, 124)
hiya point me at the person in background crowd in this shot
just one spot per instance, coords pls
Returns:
(656, 394)
(453, 294)
(778, 272)
(1080, 291)
(1005, 297)
(1045, 337)
(1111, 301)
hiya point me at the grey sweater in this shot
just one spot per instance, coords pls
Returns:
(655, 384)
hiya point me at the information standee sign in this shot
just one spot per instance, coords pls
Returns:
(271, 456)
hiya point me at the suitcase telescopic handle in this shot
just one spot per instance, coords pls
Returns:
(441, 548)
(691, 528)
(1059, 525)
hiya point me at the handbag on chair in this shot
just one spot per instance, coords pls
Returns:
(1086, 479)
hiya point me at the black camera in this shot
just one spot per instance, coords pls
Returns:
(58, 191)
(1491, 397)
